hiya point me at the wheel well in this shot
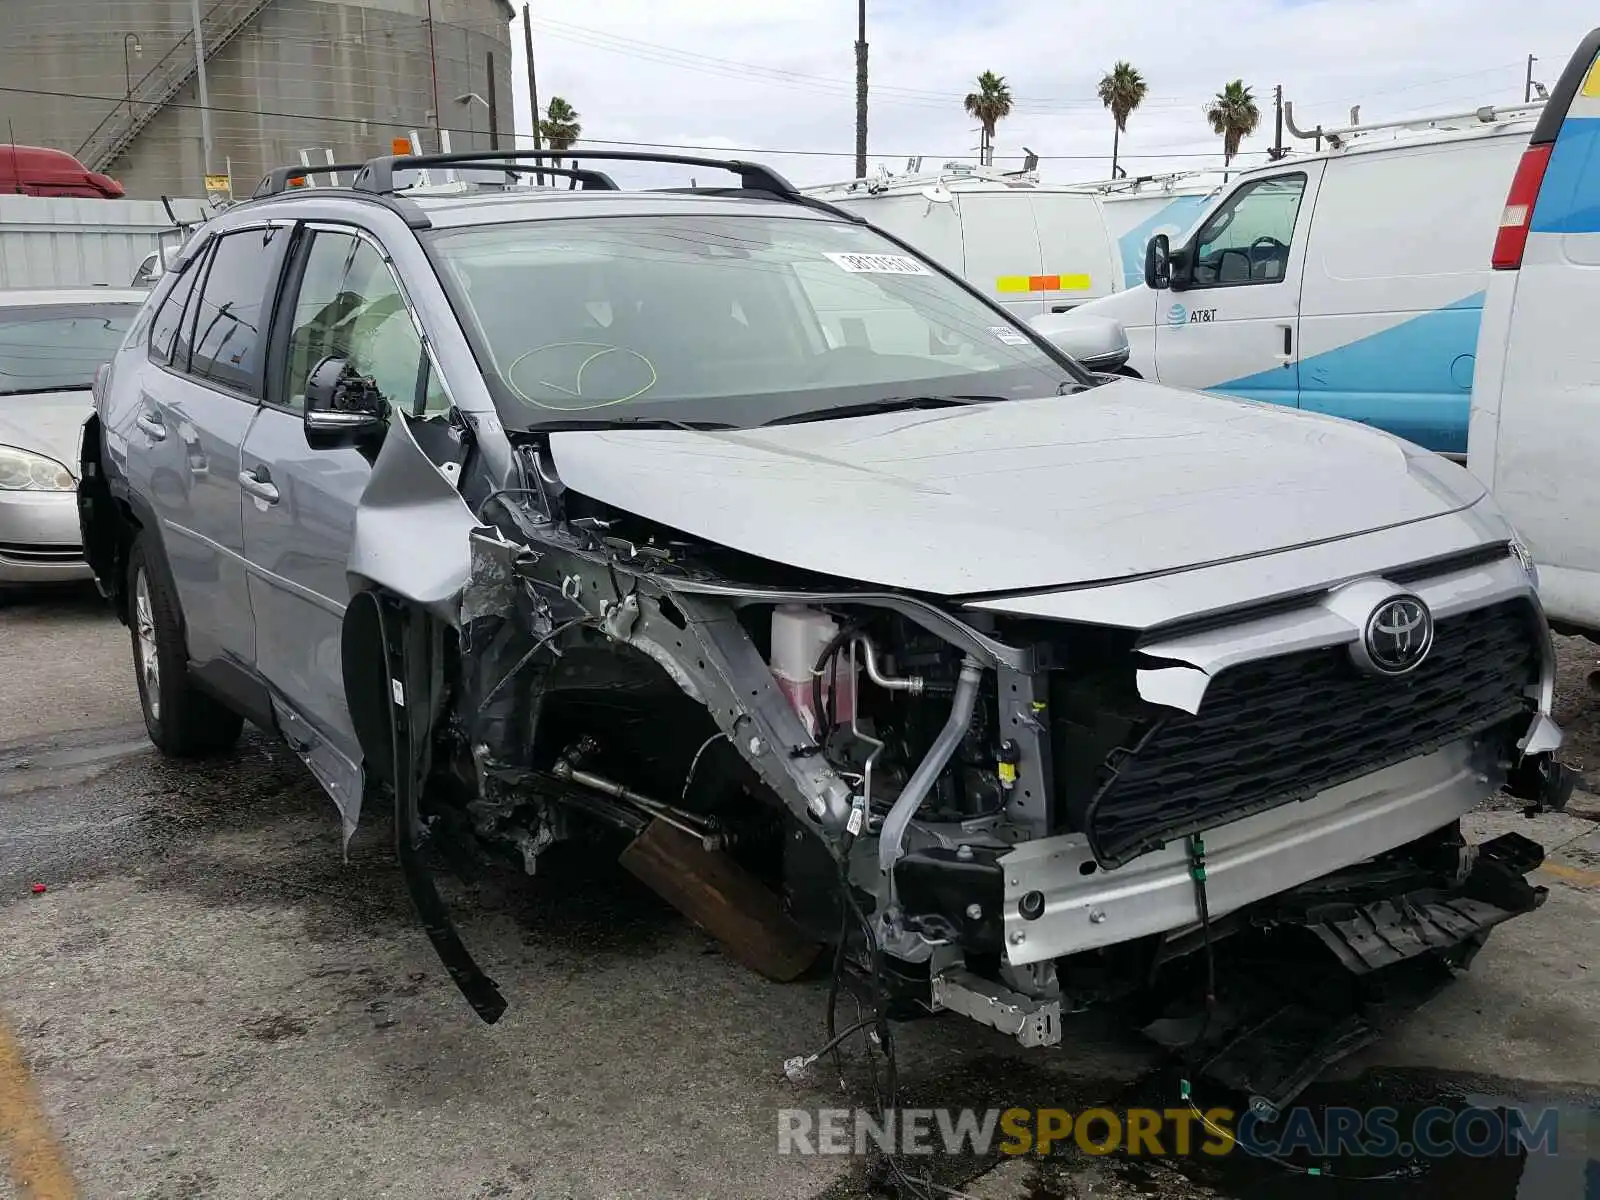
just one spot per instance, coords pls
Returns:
(366, 683)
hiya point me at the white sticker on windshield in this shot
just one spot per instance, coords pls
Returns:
(1009, 336)
(878, 264)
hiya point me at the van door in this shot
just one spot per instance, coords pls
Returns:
(1003, 257)
(1235, 327)
(1077, 252)
(1536, 397)
(1394, 283)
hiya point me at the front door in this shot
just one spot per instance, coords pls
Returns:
(1235, 327)
(300, 507)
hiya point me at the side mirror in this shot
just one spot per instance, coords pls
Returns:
(1158, 263)
(1099, 344)
(343, 406)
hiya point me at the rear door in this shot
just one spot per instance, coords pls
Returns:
(341, 299)
(194, 409)
(1235, 329)
(1003, 256)
(1536, 399)
(1075, 248)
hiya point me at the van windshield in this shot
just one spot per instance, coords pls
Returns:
(735, 321)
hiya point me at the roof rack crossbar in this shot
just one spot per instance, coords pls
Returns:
(378, 174)
(278, 180)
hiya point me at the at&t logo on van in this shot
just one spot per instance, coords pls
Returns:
(1179, 316)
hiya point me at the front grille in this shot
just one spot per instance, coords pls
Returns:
(1282, 729)
(42, 553)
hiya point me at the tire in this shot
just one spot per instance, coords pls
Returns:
(183, 721)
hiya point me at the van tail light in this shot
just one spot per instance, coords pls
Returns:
(99, 388)
(1518, 215)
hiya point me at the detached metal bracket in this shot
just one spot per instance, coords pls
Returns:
(1033, 1022)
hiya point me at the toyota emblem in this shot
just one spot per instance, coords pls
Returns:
(1398, 636)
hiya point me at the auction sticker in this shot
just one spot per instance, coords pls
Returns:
(878, 264)
(1009, 336)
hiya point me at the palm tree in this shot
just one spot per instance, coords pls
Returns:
(1122, 90)
(990, 104)
(1234, 116)
(560, 128)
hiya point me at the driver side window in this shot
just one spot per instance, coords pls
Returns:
(1247, 240)
(349, 306)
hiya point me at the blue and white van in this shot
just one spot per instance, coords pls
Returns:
(1348, 281)
(1535, 435)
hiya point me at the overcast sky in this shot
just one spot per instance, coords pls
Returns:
(777, 75)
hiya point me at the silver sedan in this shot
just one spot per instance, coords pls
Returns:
(51, 345)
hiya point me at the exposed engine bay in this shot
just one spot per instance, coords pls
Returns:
(1002, 816)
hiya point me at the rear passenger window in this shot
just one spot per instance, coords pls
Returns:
(164, 329)
(230, 334)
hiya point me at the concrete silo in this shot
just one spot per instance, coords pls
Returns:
(115, 82)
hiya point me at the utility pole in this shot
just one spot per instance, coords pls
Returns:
(1527, 86)
(1277, 135)
(205, 97)
(494, 111)
(861, 90)
(433, 66)
(533, 85)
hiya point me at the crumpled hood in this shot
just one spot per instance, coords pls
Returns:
(47, 423)
(1127, 479)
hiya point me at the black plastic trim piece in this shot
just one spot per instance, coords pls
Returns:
(1560, 102)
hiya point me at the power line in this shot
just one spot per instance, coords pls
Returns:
(404, 123)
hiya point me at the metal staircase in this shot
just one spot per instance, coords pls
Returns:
(219, 24)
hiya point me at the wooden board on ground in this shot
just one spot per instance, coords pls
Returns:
(724, 899)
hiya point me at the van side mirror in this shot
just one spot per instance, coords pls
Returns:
(1158, 263)
(343, 406)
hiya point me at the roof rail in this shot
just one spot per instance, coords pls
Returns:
(377, 175)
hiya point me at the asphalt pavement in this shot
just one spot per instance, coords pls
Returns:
(209, 999)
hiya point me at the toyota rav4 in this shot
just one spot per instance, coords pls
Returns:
(878, 629)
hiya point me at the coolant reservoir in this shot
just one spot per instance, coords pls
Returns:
(799, 635)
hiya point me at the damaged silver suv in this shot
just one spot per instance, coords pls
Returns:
(876, 628)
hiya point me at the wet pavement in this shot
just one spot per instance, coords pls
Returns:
(210, 1001)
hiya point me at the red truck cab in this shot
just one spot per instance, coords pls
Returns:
(40, 171)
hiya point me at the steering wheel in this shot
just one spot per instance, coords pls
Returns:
(1272, 243)
(568, 370)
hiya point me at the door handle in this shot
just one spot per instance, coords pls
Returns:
(1060, 308)
(152, 425)
(1288, 344)
(261, 489)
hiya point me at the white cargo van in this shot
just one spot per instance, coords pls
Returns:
(1036, 248)
(1347, 281)
(1535, 435)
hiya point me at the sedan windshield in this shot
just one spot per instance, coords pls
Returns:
(58, 347)
(725, 320)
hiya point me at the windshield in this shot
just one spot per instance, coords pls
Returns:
(58, 347)
(726, 320)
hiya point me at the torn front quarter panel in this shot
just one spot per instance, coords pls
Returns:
(411, 528)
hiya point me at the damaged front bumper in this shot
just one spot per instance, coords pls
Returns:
(1085, 908)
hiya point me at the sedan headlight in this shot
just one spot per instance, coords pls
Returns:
(25, 471)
